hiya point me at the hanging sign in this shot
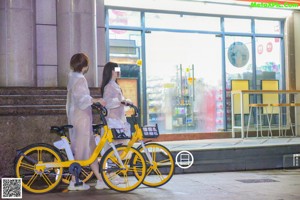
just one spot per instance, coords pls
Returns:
(238, 54)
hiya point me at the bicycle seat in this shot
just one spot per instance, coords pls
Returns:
(60, 129)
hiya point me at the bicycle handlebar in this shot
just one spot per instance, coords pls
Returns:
(135, 108)
(100, 107)
(103, 111)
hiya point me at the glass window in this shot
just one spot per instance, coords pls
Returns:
(124, 45)
(237, 25)
(124, 18)
(266, 26)
(125, 49)
(268, 59)
(183, 95)
(238, 53)
(178, 21)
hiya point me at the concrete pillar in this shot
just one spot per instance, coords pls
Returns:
(101, 44)
(290, 70)
(296, 28)
(17, 43)
(297, 47)
(76, 32)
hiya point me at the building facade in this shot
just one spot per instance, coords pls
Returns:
(183, 54)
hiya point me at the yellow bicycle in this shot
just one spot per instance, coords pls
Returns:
(41, 166)
(159, 160)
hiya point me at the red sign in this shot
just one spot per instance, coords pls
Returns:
(269, 47)
(260, 49)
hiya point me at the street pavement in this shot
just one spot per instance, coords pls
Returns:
(240, 185)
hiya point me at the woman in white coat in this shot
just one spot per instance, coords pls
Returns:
(79, 113)
(112, 94)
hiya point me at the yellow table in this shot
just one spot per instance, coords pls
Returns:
(241, 93)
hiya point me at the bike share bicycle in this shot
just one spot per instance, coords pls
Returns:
(159, 160)
(41, 166)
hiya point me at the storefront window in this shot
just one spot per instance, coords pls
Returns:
(124, 18)
(125, 49)
(238, 53)
(179, 21)
(125, 46)
(182, 70)
(183, 95)
(267, 26)
(237, 25)
(268, 59)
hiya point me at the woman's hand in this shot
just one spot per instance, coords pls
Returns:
(99, 100)
(126, 102)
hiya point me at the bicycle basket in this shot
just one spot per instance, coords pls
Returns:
(150, 131)
(119, 133)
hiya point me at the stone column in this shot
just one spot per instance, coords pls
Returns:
(76, 32)
(292, 58)
(296, 28)
(17, 43)
(101, 44)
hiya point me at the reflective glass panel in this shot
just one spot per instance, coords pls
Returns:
(266, 26)
(237, 25)
(178, 21)
(124, 18)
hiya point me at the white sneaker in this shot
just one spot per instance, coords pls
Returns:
(72, 186)
(100, 185)
(116, 179)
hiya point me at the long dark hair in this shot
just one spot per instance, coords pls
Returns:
(107, 75)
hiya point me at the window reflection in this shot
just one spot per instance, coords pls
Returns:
(183, 95)
(268, 59)
(180, 21)
(184, 70)
(124, 18)
(267, 26)
(237, 25)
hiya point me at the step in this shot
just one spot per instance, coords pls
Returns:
(35, 100)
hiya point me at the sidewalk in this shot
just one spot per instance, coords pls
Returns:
(230, 143)
(213, 155)
(250, 185)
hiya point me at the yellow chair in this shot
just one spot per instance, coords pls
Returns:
(264, 107)
(237, 85)
(273, 100)
(260, 107)
(289, 123)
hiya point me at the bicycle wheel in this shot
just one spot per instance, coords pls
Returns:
(162, 169)
(34, 181)
(85, 175)
(129, 177)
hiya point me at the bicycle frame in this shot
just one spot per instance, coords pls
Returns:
(64, 143)
(137, 136)
(107, 137)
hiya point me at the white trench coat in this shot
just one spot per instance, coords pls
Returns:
(79, 113)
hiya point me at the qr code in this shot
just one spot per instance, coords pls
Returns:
(11, 188)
